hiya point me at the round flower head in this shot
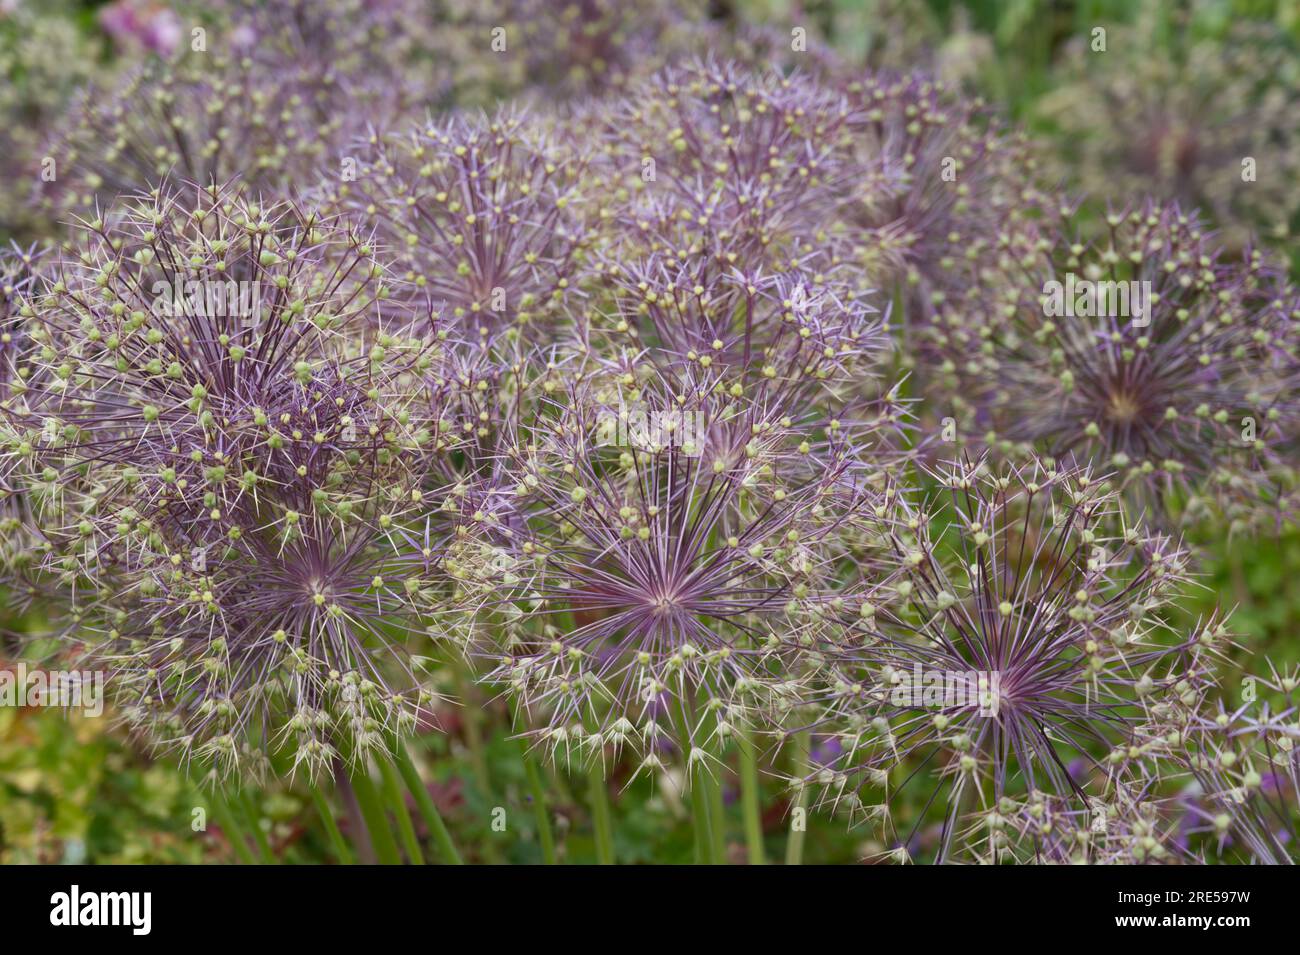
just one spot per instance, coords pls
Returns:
(272, 112)
(666, 548)
(1210, 124)
(713, 160)
(372, 47)
(1145, 352)
(480, 214)
(939, 181)
(238, 441)
(799, 333)
(1020, 632)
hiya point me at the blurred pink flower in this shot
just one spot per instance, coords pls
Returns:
(152, 26)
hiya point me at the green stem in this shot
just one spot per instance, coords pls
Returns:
(331, 826)
(359, 835)
(717, 814)
(537, 788)
(751, 799)
(700, 815)
(559, 782)
(432, 818)
(381, 836)
(472, 715)
(234, 832)
(598, 796)
(259, 835)
(699, 795)
(540, 808)
(799, 767)
(405, 828)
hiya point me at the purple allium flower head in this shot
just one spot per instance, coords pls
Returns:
(1173, 115)
(369, 51)
(665, 564)
(480, 212)
(1133, 825)
(1146, 352)
(714, 161)
(1020, 629)
(523, 48)
(801, 333)
(238, 443)
(274, 115)
(939, 180)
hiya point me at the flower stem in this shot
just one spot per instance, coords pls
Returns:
(598, 796)
(381, 836)
(331, 826)
(234, 832)
(799, 766)
(472, 715)
(405, 828)
(751, 798)
(700, 815)
(259, 835)
(537, 788)
(717, 816)
(432, 818)
(699, 795)
(540, 807)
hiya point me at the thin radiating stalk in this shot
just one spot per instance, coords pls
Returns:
(751, 798)
(326, 813)
(405, 828)
(799, 769)
(432, 818)
(381, 836)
